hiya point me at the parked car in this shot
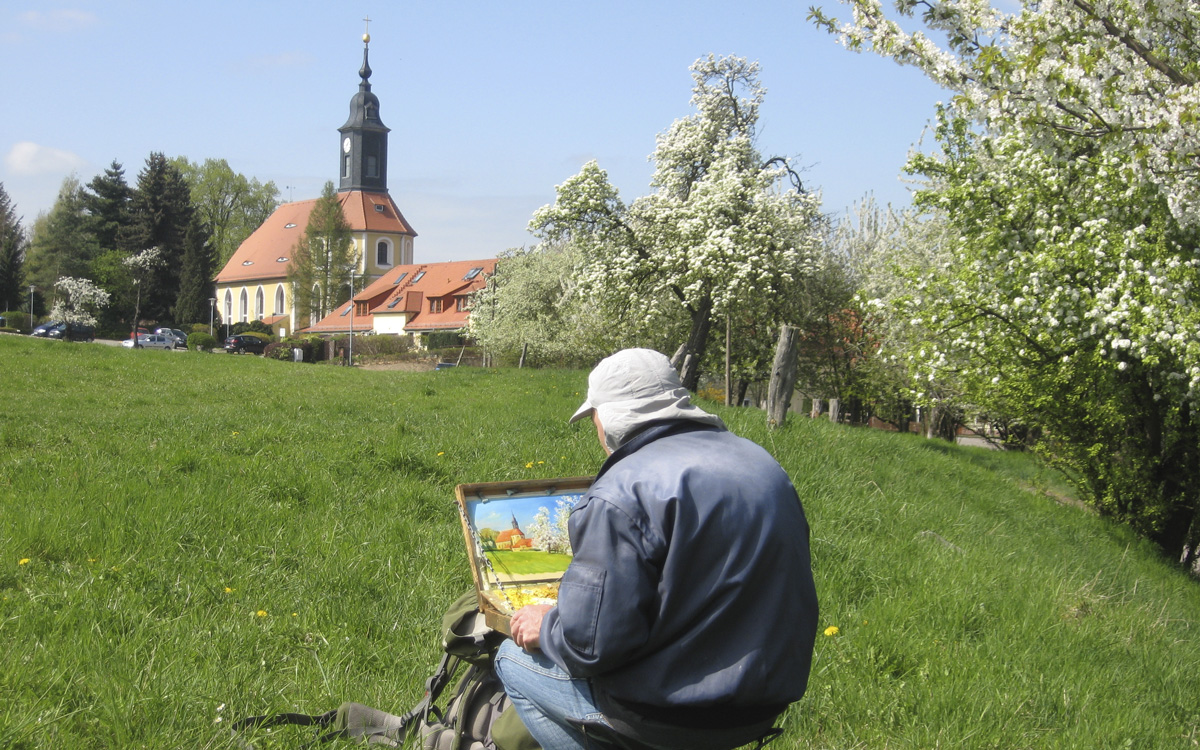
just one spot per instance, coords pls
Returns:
(72, 332)
(44, 329)
(140, 332)
(149, 341)
(244, 343)
(178, 336)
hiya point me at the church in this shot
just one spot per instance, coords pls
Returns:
(399, 297)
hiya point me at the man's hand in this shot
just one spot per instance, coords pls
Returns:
(526, 625)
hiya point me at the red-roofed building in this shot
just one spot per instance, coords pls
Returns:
(412, 299)
(253, 285)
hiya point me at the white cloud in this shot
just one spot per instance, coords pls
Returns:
(29, 159)
(64, 19)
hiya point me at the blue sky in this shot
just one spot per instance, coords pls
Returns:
(490, 105)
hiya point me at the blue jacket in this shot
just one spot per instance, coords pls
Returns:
(691, 586)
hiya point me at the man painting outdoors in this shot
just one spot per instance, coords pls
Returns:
(688, 615)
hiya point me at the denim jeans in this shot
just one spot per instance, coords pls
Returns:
(545, 697)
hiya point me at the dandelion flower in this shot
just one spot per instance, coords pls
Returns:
(529, 465)
(832, 630)
(23, 561)
(228, 590)
(262, 613)
(441, 453)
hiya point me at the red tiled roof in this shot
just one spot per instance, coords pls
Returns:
(438, 280)
(266, 253)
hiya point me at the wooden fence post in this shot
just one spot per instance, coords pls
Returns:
(783, 376)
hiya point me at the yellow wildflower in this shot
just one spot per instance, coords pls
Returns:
(262, 613)
(23, 561)
(529, 465)
(228, 590)
(832, 630)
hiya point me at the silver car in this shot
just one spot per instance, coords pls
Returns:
(150, 341)
(176, 335)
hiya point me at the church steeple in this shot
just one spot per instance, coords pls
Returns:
(363, 147)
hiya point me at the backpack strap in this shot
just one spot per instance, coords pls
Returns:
(320, 721)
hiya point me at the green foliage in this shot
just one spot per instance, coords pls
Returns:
(62, 243)
(721, 235)
(230, 204)
(534, 301)
(166, 567)
(201, 341)
(1066, 302)
(12, 253)
(18, 320)
(252, 326)
(161, 215)
(322, 260)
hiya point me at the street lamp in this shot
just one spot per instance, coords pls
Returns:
(351, 350)
(212, 309)
(31, 288)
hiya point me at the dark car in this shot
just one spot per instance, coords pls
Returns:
(72, 332)
(44, 329)
(244, 343)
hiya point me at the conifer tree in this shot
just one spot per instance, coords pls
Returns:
(107, 199)
(322, 260)
(62, 243)
(12, 252)
(161, 210)
(195, 280)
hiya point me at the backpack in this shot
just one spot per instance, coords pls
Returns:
(477, 716)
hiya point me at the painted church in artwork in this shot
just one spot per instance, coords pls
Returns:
(409, 298)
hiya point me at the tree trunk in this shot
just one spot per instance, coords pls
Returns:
(693, 351)
(783, 376)
(728, 362)
(1189, 557)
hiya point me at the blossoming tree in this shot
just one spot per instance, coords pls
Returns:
(1068, 174)
(80, 301)
(723, 229)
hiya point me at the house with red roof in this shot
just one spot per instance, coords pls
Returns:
(254, 285)
(412, 299)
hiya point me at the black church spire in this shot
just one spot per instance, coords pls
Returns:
(363, 148)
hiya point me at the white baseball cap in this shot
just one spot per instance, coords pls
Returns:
(633, 388)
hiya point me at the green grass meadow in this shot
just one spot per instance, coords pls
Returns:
(186, 539)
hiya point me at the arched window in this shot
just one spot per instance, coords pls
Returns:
(228, 306)
(383, 253)
(279, 300)
(315, 311)
(243, 306)
(259, 304)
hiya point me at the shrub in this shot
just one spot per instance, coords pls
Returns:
(200, 341)
(253, 326)
(17, 321)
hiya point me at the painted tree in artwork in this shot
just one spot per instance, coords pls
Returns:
(724, 230)
(322, 260)
(1067, 175)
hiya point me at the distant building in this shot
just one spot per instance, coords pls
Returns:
(253, 284)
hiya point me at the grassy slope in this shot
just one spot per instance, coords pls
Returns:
(206, 531)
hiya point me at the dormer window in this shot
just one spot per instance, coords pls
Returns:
(435, 305)
(472, 274)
